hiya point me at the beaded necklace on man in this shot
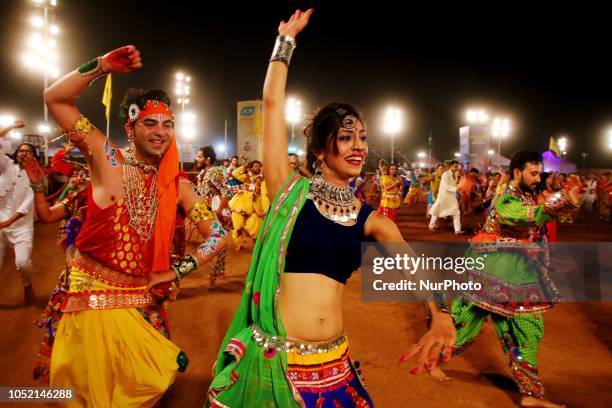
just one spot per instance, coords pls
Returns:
(140, 203)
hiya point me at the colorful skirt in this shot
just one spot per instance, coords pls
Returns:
(390, 213)
(414, 195)
(390, 200)
(327, 379)
(430, 198)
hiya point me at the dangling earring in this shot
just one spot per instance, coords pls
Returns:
(131, 147)
(318, 168)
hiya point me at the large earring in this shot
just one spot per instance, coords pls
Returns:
(131, 147)
(318, 167)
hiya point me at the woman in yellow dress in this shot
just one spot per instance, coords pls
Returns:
(415, 192)
(250, 205)
(391, 185)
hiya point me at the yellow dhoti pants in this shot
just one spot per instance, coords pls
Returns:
(111, 357)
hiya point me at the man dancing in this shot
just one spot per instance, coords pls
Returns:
(516, 287)
(211, 183)
(104, 349)
(446, 204)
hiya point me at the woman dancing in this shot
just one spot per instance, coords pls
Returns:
(288, 348)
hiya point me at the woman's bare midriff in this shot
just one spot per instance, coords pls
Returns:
(311, 306)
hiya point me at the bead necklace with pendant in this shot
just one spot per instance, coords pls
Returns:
(140, 203)
(337, 204)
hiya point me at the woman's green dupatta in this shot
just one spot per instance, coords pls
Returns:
(247, 374)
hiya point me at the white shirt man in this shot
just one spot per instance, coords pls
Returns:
(446, 204)
(17, 217)
(590, 196)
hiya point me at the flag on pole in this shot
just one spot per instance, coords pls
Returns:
(106, 101)
(553, 147)
(107, 95)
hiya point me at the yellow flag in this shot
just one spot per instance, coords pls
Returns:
(107, 96)
(553, 147)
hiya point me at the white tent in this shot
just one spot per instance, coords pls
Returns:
(497, 160)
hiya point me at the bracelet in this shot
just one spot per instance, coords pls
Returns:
(283, 49)
(185, 266)
(92, 67)
(201, 212)
(438, 298)
(82, 127)
(38, 187)
(67, 212)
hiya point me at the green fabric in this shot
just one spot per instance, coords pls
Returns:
(523, 332)
(512, 211)
(513, 266)
(64, 193)
(255, 380)
(509, 266)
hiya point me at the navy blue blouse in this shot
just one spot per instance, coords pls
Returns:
(319, 245)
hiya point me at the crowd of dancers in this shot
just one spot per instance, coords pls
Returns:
(125, 215)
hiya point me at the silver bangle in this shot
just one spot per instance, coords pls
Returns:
(283, 49)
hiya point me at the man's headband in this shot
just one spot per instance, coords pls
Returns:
(151, 107)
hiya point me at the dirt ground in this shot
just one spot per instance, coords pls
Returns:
(575, 360)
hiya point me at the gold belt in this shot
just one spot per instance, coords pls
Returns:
(107, 275)
(302, 347)
(110, 299)
(113, 291)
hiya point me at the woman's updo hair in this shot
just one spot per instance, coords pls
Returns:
(321, 131)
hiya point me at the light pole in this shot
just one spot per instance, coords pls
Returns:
(182, 89)
(293, 115)
(392, 124)
(476, 119)
(584, 157)
(187, 129)
(562, 143)
(41, 54)
(421, 156)
(500, 129)
(476, 116)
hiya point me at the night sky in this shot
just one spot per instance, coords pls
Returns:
(548, 70)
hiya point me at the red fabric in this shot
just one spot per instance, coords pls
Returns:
(551, 228)
(59, 164)
(108, 238)
(390, 213)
